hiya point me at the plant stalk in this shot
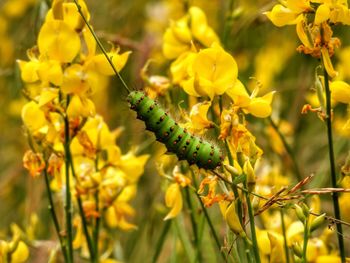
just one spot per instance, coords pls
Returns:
(68, 203)
(51, 208)
(332, 166)
(252, 226)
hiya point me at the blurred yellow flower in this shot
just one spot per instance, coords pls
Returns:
(340, 91)
(33, 117)
(182, 34)
(173, 200)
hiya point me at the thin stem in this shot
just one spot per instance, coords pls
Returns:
(101, 47)
(84, 222)
(332, 166)
(252, 226)
(286, 251)
(306, 237)
(97, 226)
(51, 208)
(207, 217)
(228, 23)
(194, 225)
(161, 240)
(96, 230)
(288, 149)
(68, 203)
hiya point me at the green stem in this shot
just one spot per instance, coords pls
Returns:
(161, 240)
(228, 23)
(51, 208)
(194, 225)
(306, 237)
(332, 166)
(97, 227)
(288, 149)
(207, 217)
(68, 203)
(252, 226)
(84, 222)
(286, 251)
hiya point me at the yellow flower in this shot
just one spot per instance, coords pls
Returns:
(29, 70)
(213, 72)
(289, 13)
(180, 36)
(80, 106)
(58, 41)
(258, 106)
(101, 64)
(340, 91)
(50, 71)
(34, 163)
(133, 165)
(198, 120)
(177, 38)
(77, 79)
(228, 210)
(33, 117)
(200, 29)
(173, 199)
(21, 254)
(277, 249)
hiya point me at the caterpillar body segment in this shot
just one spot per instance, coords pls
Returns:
(177, 139)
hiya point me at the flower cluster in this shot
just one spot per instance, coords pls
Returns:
(69, 141)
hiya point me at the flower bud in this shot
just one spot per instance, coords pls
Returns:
(298, 251)
(300, 213)
(232, 220)
(232, 170)
(317, 222)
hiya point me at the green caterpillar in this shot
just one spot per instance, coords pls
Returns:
(176, 139)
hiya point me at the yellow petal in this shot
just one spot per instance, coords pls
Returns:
(33, 117)
(216, 71)
(29, 70)
(200, 28)
(50, 72)
(302, 34)
(322, 14)
(79, 80)
(181, 68)
(239, 94)
(277, 250)
(173, 199)
(263, 241)
(58, 41)
(72, 17)
(261, 107)
(281, 16)
(232, 220)
(102, 65)
(21, 253)
(80, 107)
(47, 95)
(328, 259)
(133, 165)
(328, 63)
(173, 47)
(199, 117)
(340, 91)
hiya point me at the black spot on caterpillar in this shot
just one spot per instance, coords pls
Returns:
(176, 139)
